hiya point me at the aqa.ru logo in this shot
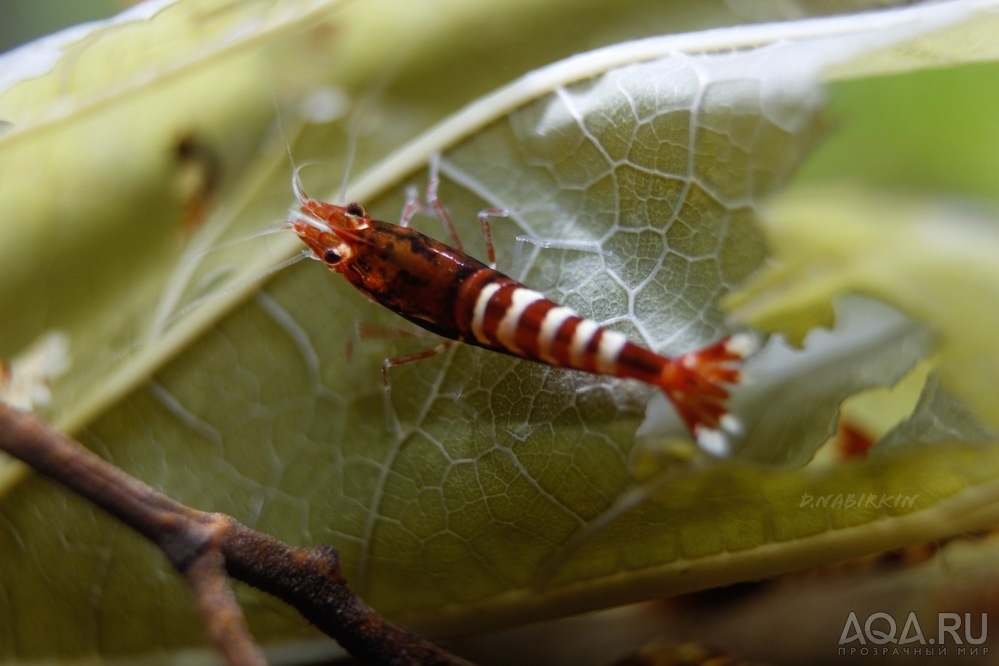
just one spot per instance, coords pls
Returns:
(880, 629)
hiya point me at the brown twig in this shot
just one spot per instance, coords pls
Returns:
(223, 617)
(203, 546)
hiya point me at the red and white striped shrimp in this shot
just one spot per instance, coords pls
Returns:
(456, 296)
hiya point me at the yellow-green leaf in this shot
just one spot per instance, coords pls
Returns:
(933, 260)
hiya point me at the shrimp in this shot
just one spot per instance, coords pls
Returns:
(450, 293)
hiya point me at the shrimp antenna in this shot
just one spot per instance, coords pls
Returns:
(284, 135)
(353, 129)
(196, 303)
(296, 179)
(296, 183)
(276, 227)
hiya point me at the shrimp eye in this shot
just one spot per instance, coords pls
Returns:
(355, 210)
(331, 256)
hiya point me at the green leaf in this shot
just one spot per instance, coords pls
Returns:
(487, 491)
(932, 260)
